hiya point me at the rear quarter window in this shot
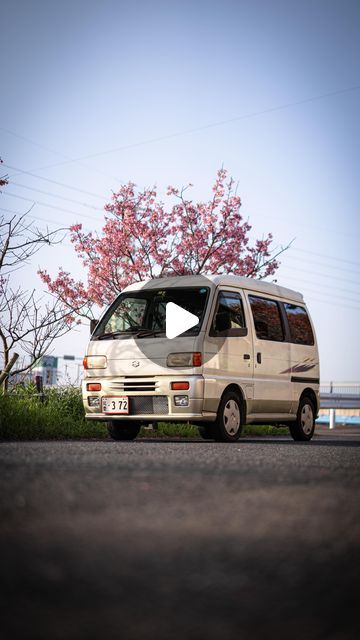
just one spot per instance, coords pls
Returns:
(299, 324)
(267, 319)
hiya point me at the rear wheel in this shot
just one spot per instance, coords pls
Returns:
(228, 425)
(123, 430)
(304, 426)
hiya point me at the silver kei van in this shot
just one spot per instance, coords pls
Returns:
(252, 357)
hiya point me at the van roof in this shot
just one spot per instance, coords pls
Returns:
(259, 286)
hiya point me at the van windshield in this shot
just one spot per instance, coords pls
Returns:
(142, 314)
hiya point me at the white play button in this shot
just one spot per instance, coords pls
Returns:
(178, 320)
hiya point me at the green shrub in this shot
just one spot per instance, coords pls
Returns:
(61, 415)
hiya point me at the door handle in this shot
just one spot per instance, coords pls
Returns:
(258, 358)
(246, 356)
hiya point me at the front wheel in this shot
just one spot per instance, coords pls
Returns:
(304, 426)
(123, 430)
(228, 425)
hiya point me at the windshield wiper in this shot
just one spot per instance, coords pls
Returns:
(149, 333)
(136, 332)
(115, 334)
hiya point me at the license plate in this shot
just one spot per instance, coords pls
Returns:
(115, 404)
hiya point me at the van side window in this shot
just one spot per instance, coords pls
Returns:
(299, 324)
(267, 319)
(229, 317)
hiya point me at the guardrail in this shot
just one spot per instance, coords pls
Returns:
(352, 388)
(339, 395)
(339, 401)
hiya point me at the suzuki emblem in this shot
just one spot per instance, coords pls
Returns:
(135, 363)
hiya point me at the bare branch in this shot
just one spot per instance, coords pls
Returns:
(28, 322)
(20, 240)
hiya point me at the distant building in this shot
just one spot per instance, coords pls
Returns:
(47, 367)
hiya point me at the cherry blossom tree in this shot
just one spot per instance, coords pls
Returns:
(141, 239)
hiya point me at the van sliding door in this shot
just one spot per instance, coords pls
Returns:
(272, 386)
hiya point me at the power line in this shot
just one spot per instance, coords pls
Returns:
(324, 275)
(55, 195)
(16, 213)
(52, 206)
(323, 293)
(211, 125)
(335, 301)
(333, 304)
(287, 255)
(327, 294)
(300, 225)
(57, 153)
(323, 264)
(323, 255)
(30, 215)
(36, 144)
(60, 184)
(246, 116)
(322, 286)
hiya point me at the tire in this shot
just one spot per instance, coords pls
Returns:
(228, 425)
(123, 430)
(207, 433)
(304, 426)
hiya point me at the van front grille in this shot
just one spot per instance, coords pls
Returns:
(134, 384)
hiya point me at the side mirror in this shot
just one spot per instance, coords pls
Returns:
(241, 332)
(233, 332)
(93, 324)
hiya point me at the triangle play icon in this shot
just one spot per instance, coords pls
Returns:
(178, 320)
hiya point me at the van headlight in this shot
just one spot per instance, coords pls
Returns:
(95, 362)
(191, 359)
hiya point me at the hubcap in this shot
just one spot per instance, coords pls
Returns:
(231, 417)
(307, 419)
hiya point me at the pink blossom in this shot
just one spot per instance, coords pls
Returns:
(141, 238)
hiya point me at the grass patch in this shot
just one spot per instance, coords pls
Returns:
(61, 417)
(170, 430)
(264, 430)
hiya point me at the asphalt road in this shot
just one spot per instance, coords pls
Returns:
(190, 540)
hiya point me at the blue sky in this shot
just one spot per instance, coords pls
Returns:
(113, 82)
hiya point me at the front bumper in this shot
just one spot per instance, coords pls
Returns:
(150, 398)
